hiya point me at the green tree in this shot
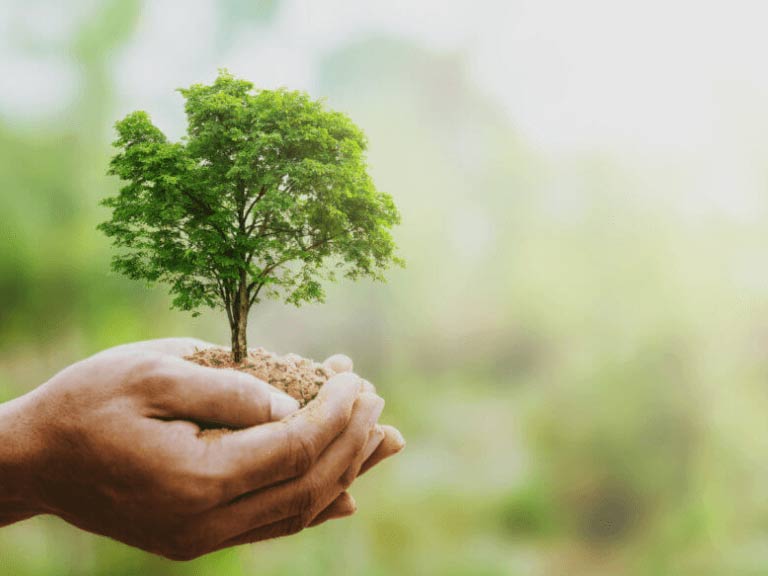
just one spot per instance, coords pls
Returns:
(266, 196)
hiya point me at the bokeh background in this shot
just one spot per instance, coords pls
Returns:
(577, 351)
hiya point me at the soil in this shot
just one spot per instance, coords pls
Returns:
(298, 377)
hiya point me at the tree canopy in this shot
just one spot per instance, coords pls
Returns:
(267, 196)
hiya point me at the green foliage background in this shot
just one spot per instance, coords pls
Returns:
(583, 389)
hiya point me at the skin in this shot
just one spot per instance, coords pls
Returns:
(111, 445)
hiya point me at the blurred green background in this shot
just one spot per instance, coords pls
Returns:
(577, 351)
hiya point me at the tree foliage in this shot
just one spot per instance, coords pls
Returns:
(267, 196)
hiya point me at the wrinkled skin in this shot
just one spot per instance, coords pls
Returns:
(111, 445)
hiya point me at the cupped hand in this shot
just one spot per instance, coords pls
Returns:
(118, 451)
(386, 442)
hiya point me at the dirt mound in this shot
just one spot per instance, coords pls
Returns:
(298, 377)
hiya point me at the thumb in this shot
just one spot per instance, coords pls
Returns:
(219, 396)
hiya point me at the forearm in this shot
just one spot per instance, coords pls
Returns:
(20, 449)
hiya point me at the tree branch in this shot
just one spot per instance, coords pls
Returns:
(225, 295)
(272, 267)
(259, 196)
(209, 211)
(252, 299)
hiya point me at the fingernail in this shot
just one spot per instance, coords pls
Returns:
(398, 438)
(282, 405)
(351, 505)
(394, 437)
(339, 363)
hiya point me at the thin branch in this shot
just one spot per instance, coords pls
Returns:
(225, 296)
(255, 294)
(271, 268)
(259, 196)
(209, 210)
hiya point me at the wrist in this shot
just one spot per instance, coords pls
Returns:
(20, 455)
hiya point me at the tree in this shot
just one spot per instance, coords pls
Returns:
(266, 196)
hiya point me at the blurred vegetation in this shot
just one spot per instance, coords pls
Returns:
(579, 368)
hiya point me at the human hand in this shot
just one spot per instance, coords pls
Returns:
(111, 445)
(387, 442)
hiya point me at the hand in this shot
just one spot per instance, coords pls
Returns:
(387, 442)
(111, 445)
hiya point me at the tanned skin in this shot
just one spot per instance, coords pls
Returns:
(111, 445)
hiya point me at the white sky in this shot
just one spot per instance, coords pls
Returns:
(651, 77)
(674, 79)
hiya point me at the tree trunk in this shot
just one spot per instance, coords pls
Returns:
(239, 325)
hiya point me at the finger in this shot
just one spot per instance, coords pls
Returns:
(338, 363)
(374, 439)
(392, 443)
(339, 507)
(343, 506)
(257, 457)
(338, 466)
(172, 346)
(184, 390)
(307, 495)
(373, 443)
(284, 527)
(368, 387)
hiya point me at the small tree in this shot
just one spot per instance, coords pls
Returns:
(267, 195)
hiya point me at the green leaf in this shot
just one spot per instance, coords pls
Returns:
(268, 194)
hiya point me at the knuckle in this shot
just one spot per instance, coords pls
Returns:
(151, 372)
(195, 488)
(220, 489)
(359, 438)
(301, 451)
(336, 416)
(295, 525)
(183, 546)
(304, 503)
(204, 490)
(347, 478)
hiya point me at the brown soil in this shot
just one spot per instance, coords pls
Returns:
(299, 377)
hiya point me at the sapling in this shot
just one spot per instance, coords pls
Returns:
(267, 196)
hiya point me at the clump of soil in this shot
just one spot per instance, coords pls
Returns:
(298, 377)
